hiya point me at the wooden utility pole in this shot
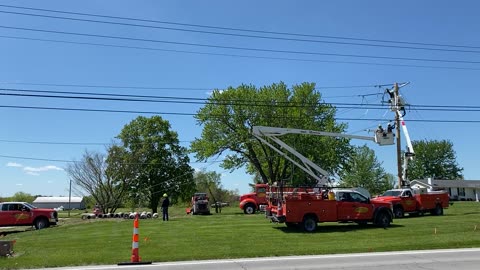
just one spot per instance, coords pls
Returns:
(398, 141)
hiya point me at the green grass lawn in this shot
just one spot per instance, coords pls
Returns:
(231, 234)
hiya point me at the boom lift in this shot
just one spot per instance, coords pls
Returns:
(320, 205)
(312, 169)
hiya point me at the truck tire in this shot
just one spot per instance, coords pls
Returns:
(398, 211)
(382, 220)
(309, 223)
(41, 223)
(438, 210)
(249, 209)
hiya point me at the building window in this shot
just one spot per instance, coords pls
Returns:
(461, 191)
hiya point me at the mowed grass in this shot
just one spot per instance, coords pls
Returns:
(232, 234)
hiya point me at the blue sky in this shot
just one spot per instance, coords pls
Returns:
(35, 143)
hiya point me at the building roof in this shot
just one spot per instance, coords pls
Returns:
(451, 183)
(58, 199)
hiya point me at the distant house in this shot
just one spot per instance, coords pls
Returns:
(462, 190)
(56, 202)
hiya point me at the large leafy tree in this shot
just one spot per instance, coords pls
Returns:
(229, 115)
(364, 170)
(155, 162)
(92, 176)
(434, 159)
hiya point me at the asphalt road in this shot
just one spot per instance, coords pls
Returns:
(464, 259)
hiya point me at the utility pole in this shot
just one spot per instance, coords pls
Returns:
(395, 106)
(69, 198)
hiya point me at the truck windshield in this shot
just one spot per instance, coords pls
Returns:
(392, 193)
(29, 205)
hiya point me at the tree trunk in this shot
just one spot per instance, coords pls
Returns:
(154, 201)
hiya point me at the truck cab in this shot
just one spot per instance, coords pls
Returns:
(256, 200)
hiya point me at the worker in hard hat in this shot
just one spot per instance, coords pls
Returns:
(165, 205)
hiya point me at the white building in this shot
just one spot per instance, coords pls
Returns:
(462, 190)
(56, 202)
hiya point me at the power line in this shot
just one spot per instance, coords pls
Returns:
(239, 48)
(239, 55)
(191, 100)
(73, 161)
(241, 35)
(192, 114)
(112, 86)
(177, 88)
(242, 29)
(71, 143)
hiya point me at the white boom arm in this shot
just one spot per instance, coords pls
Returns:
(410, 152)
(308, 166)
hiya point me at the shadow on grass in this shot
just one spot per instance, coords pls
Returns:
(322, 228)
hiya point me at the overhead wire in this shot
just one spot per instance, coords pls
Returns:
(239, 29)
(192, 100)
(193, 114)
(176, 88)
(241, 56)
(241, 35)
(238, 48)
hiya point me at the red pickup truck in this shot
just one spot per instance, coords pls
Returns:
(415, 202)
(25, 214)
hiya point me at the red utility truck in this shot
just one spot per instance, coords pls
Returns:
(415, 201)
(25, 214)
(199, 204)
(257, 200)
(309, 206)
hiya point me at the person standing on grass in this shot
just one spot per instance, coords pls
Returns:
(165, 205)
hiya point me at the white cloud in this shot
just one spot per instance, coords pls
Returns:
(209, 93)
(42, 169)
(13, 164)
(33, 173)
(19, 184)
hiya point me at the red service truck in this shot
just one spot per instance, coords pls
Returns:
(25, 214)
(415, 201)
(309, 207)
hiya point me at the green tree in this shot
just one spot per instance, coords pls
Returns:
(22, 197)
(91, 175)
(229, 115)
(154, 161)
(364, 170)
(435, 159)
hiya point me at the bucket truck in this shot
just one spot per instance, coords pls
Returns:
(309, 206)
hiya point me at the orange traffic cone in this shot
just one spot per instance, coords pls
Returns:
(135, 259)
(135, 256)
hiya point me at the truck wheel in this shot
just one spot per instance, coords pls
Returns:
(41, 223)
(382, 220)
(438, 210)
(309, 224)
(398, 212)
(249, 209)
